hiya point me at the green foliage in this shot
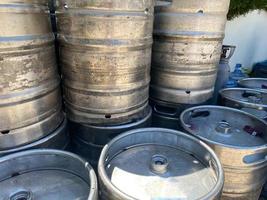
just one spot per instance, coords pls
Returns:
(242, 7)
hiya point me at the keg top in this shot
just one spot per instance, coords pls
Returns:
(249, 99)
(46, 174)
(225, 126)
(156, 163)
(254, 83)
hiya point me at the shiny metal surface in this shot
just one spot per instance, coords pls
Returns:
(46, 174)
(253, 83)
(88, 141)
(30, 101)
(105, 55)
(249, 100)
(101, 135)
(58, 139)
(243, 155)
(187, 45)
(154, 163)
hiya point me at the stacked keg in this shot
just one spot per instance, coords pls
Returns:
(188, 37)
(30, 99)
(105, 56)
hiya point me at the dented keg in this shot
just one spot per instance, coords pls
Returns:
(188, 37)
(88, 141)
(105, 53)
(240, 141)
(253, 83)
(58, 139)
(248, 100)
(154, 163)
(46, 174)
(30, 101)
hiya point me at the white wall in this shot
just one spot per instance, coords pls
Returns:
(249, 34)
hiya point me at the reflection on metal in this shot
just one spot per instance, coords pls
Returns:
(188, 38)
(155, 163)
(48, 174)
(105, 53)
(30, 103)
(240, 143)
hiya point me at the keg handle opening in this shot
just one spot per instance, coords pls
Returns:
(225, 50)
(254, 97)
(263, 86)
(159, 164)
(173, 112)
(197, 114)
(257, 158)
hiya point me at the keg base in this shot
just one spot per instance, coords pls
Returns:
(43, 185)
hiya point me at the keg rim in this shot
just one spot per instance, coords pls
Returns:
(106, 181)
(260, 147)
(92, 175)
(242, 82)
(222, 93)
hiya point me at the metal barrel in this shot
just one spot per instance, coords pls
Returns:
(30, 101)
(253, 83)
(46, 173)
(105, 54)
(188, 37)
(88, 140)
(154, 163)
(249, 100)
(240, 141)
(58, 139)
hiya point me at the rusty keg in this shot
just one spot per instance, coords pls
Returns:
(105, 54)
(253, 83)
(248, 100)
(240, 141)
(188, 37)
(155, 163)
(46, 174)
(30, 102)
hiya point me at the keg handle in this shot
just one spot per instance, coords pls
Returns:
(253, 96)
(227, 48)
(164, 3)
(260, 157)
(175, 113)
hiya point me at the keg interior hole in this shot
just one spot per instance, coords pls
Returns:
(264, 86)
(5, 132)
(108, 116)
(197, 114)
(23, 195)
(187, 91)
(249, 94)
(200, 11)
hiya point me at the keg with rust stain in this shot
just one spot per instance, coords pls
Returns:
(188, 37)
(253, 83)
(240, 141)
(46, 174)
(105, 54)
(249, 100)
(155, 163)
(30, 101)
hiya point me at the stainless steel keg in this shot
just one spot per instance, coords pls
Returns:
(46, 174)
(240, 141)
(249, 100)
(188, 37)
(154, 163)
(30, 100)
(105, 53)
(253, 83)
